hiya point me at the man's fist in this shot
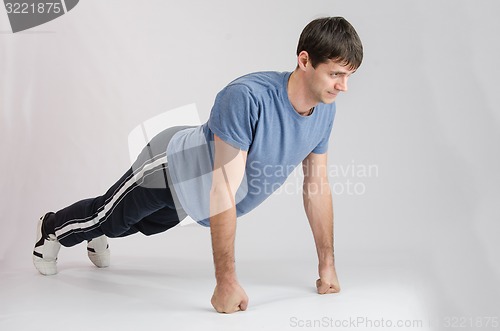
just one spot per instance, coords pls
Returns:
(229, 298)
(328, 281)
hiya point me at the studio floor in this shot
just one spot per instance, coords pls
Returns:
(141, 292)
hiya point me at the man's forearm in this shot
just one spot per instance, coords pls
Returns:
(223, 232)
(319, 210)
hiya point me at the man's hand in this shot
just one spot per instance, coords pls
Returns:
(229, 298)
(328, 281)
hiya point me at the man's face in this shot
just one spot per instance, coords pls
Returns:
(327, 80)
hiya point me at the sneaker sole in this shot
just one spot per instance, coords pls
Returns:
(44, 267)
(100, 260)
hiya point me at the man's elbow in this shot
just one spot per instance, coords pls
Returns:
(221, 199)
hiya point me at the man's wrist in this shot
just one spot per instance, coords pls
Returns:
(228, 278)
(326, 257)
(326, 264)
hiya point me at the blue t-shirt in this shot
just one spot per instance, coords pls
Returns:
(254, 114)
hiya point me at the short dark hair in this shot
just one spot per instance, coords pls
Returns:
(331, 38)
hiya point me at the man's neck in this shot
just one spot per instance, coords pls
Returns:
(298, 94)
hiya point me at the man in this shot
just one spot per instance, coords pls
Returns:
(215, 172)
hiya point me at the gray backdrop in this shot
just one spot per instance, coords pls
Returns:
(420, 114)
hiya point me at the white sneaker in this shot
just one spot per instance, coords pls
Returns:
(98, 251)
(45, 251)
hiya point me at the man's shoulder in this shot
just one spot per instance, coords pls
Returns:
(260, 81)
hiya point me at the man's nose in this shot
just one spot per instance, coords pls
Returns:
(341, 85)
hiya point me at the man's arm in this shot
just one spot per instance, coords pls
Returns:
(229, 169)
(317, 198)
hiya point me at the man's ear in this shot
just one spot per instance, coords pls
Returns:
(303, 60)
